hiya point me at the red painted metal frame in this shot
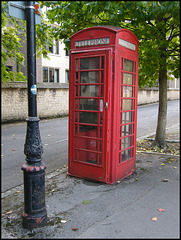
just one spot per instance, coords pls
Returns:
(113, 167)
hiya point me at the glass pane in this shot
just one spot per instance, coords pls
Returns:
(76, 64)
(125, 155)
(126, 130)
(127, 117)
(51, 75)
(88, 117)
(102, 76)
(100, 132)
(88, 104)
(127, 104)
(75, 116)
(121, 63)
(76, 91)
(126, 142)
(75, 154)
(102, 90)
(128, 78)
(89, 77)
(76, 80)
(87, 144)
(127, 91)
(76, 103)
(89, 131)
(102, 62)
(45, 74)
(128, 65)
(100, 159)
(89, 63)
(57, 75)
(100, 146)
(89, 91)
(75, 128)
(89, 157)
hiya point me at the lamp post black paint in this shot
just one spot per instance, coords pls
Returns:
(34, 214)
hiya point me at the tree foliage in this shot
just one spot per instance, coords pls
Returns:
(11, 31)
(10, 45)
(146, 19)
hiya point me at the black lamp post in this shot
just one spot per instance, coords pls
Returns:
(35, 213)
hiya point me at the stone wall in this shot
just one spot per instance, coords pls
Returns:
(53, 100)
(151, 95)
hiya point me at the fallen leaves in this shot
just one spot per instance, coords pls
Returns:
(155, 219)
(74, 229)
(85, 202)
(161, 209)
(165, 180)
(9, 212)
(63, 221)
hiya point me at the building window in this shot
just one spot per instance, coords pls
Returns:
(66, 52)
(50, 74)
(45, 74)
(56, 47)
(67, 76)
(56, 79)
(53, 47)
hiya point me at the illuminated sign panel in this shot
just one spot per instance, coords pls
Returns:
(91, 42)
(127, 44)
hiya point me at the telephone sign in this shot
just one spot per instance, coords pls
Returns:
(17, 9)
(103, 103)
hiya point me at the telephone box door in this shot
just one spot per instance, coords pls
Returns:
(88, 115)
(128, 81)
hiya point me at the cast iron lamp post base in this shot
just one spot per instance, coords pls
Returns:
(35, 214)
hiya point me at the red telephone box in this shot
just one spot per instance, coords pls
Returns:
(103, 103)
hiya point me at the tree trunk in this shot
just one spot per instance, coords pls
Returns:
(160, 138)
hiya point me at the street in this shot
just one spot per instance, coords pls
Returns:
(54, 136)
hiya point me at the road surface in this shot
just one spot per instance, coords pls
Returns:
(54, 136)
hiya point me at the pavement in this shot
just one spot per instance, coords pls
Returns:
(144, 205)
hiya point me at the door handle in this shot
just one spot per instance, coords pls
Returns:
(106, 105)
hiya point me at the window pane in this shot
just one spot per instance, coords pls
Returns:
(89, 131)
(128, 65)
(126, 142)
(89, 157)
(87, 144)
(88, 104)
(56, 47)
(57, 75)
(89, 77)
(89, 63)
(51, 48)
(125, 155)
(128, 78)
(127, 91)
(102, 62)
(126, 130)
(67, 76)
(127, 104)
(51, 75)
(88, 117)
(127, 117)
(45, 74)
(89, 91)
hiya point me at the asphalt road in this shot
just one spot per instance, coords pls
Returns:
(54, 136)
